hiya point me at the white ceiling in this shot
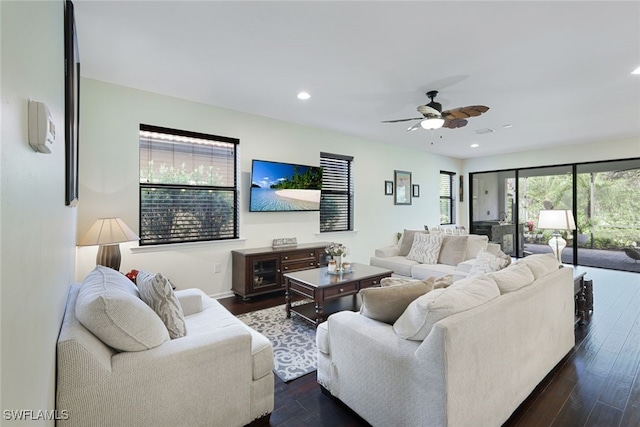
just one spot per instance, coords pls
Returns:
(557, 71)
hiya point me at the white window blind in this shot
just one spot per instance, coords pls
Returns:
(188, 186)
(336, 203)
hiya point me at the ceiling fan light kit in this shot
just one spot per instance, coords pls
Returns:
(432, 123)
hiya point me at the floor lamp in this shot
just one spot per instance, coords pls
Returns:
(108, 233)
(557, 220)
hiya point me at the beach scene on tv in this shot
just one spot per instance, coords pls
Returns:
(285, 187)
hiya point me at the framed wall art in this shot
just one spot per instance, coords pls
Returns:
(402, 182)
(415, 190)
(388, 188)
(71, 104)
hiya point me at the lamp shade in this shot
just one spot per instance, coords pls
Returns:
(108, 231)
(556, 220)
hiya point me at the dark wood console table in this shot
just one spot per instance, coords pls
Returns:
(259, 271)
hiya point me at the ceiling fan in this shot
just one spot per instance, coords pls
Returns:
(434, 118)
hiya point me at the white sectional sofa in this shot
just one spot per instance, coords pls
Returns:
(457, 256)
(218, 374)
(471, 366)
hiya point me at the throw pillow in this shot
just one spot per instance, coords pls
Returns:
(453, 250)
(425, 248)
(487, 262)
(474, 244)
(157, 292)
(443, 281)
(395, 281)
(418, 319)
(388, 303)
(540, 264)
(512, 278)
(108, 305)
(406, 241)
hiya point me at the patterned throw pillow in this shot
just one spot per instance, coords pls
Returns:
(157, 292)
(425, 248)
(486, 262)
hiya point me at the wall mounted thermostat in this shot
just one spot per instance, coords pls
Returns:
(42, 130)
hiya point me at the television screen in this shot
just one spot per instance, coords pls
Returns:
(277, 187)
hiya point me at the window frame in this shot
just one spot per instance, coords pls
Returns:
(349, 192)
(451, 197)
(233, 189)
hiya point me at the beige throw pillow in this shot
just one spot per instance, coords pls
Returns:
(395, 281)
(512, 278)
(157, 292)
(386, 304)
(108, 305)
(407, 240)
(486, 262)
(418, 319)
(540, 264)
(453, 250)
(425, 248)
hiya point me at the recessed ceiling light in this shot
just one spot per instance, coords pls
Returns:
(303, 95)
(636, 71)
(474, 145)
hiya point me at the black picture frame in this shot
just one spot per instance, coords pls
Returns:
(71, 104)
(415, 190)
(388, 188)
(402, 184)
(461, 189)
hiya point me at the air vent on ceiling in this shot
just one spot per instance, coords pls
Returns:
(484, 130)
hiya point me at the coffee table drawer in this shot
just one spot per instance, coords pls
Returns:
(340, 291)
(371, 282)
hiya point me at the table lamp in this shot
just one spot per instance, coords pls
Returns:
(557, 220)
(108, 233)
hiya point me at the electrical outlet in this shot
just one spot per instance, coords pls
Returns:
(488, 212)
(216, 267)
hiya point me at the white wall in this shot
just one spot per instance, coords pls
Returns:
(578, 153)
(109, 174)
(37, 262)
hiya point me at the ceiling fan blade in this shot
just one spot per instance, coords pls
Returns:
(414, 127)
(402, 120)
(465, 112)
(455, 123)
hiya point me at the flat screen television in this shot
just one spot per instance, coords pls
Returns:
(278, 187)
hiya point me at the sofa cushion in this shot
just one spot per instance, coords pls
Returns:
(453, 250)
(418, 319)
(440, 282)
(425, 248)
(398, 264)
(512, 278)
(386, 304)
(157, 292)
(487, 262)
(540, 264)
(475, 243)
(108, 305)
(406, 241)
(422, 271)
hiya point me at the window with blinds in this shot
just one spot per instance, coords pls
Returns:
(447, 212)
(188, 186)
(336, 202)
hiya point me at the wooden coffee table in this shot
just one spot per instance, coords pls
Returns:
(330, 293)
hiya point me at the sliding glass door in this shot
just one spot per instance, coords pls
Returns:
(603, 196)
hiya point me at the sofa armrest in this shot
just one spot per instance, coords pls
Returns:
(388, 251)
(190, 300)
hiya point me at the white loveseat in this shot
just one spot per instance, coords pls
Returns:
(474, 368)
(457, 256)
(219, 374)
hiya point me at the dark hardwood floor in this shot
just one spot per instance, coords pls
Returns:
(596, 384)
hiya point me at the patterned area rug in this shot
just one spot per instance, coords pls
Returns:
(294, 340)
